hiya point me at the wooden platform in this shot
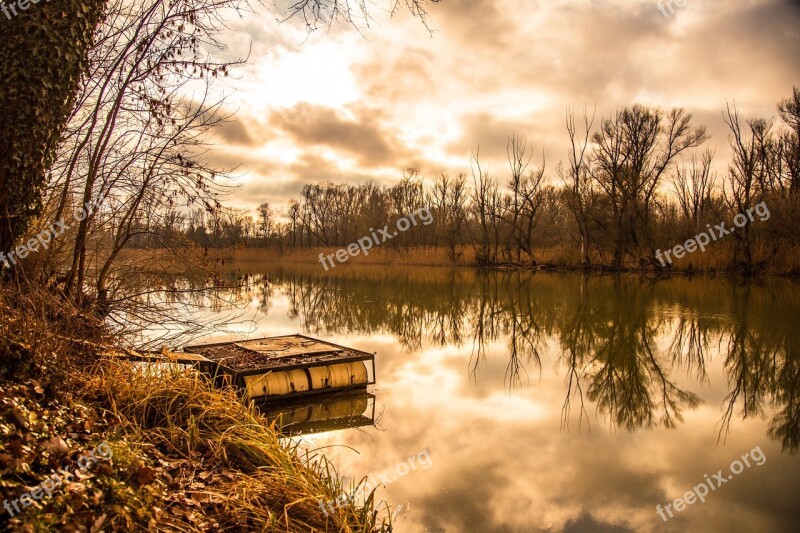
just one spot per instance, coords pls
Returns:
(284, 367)
(275, 368)
(288, 352)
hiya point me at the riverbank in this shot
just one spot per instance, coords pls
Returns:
(779, 262)
(182, 454)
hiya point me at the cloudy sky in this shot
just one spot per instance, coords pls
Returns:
(348, 106)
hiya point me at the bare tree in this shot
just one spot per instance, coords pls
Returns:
(694, 187)
(579, 193)
(748, 174)
(523, 201)
(486, 207)
(447, 200)
(134, 139)
(266, 221)
(294, 222)
(789, 175)
(633, 151)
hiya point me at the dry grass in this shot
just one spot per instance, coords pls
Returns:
(187, 456)
(718, 258)
(377, 256)
(253, 481)
(42, 335)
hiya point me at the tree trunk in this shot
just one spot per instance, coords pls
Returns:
(585, 261)
(42, 57)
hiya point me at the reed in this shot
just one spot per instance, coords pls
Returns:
(265, 483)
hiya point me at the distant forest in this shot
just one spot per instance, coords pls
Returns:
(632, 183)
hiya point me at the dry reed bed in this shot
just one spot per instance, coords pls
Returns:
(247, 477)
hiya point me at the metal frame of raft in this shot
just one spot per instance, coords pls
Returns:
(322, 368)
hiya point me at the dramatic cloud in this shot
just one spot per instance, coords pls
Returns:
(343, 106)
(235, 132)
(358, 134)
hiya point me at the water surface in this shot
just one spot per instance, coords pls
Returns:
(559, 402)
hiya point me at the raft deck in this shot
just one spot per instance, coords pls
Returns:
(286, 366)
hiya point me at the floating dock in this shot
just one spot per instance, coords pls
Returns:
(284, 368)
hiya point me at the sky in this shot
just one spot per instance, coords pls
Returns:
(348, 104)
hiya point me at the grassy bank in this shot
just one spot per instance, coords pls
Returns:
(378, 256)
(719, 259)
(185, 456)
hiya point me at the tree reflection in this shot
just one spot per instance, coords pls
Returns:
(500, 313)
(785, 424)
(607, 341)
(577, 338)
(690, 344)
(634, 348)
(762, 365)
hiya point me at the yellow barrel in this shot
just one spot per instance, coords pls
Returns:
(338, 376)
(276, 383)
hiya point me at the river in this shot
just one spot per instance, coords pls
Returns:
(558, 402)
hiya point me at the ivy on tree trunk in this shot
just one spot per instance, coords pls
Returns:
(43, 53)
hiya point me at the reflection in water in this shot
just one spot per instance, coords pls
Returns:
(319, 414)
(610, 332)
(762, 369)
(674, 378)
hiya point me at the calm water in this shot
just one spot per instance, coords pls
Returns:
(559, 402)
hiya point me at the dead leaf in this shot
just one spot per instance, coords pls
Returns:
(98, 523)
(56, 446)
(18, 418)
(145, 475)
(5, 460)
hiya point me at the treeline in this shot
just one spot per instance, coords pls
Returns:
(638, 181)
